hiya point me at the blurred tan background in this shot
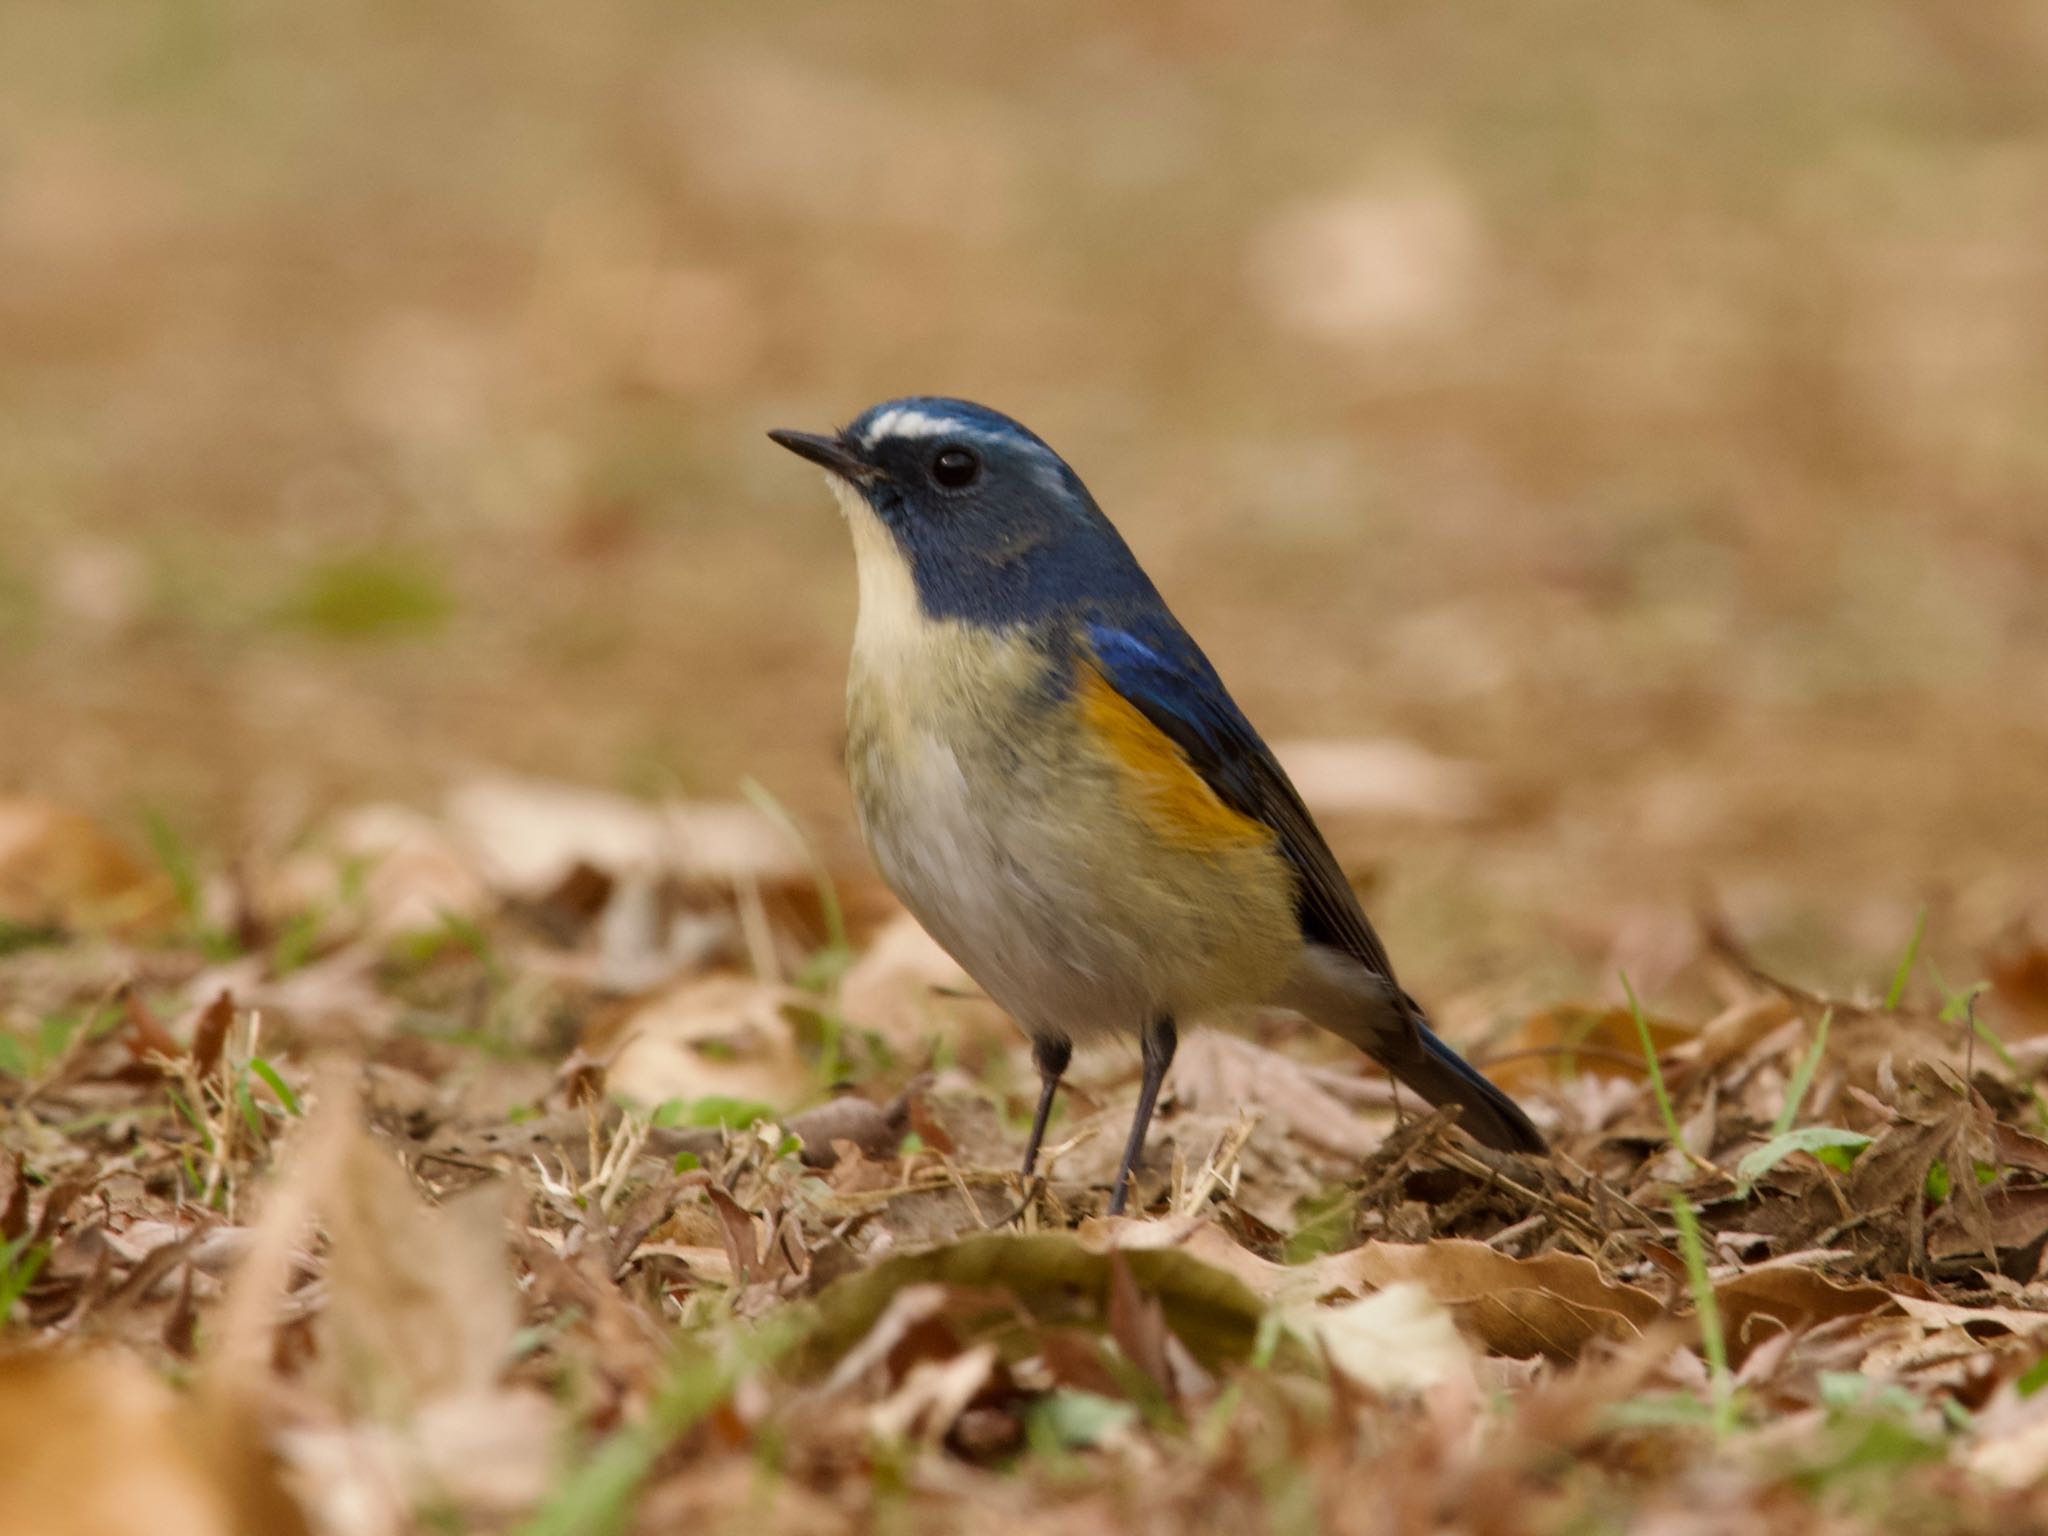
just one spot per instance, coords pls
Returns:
(1642, 411)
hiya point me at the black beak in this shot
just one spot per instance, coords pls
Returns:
(830, 453)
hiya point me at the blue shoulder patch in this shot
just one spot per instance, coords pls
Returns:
(1150, 660)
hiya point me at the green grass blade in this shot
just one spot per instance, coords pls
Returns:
(597, 1498)
(1712, 1339)
(1961, 1007)
(1656, 1071)
(192, 1117)
(277, 1085)
(1810, 1138)
(252, 1117)
(20, 1262)
(1906, 962)
(1802, 1076)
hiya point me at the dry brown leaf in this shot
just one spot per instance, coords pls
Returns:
(338, 996)
(142, 1031)
(59, 870)
(2020, 976)
(420, 1300)
(876, 1130)
(934, 1394)
(1384, 776)
(418, 1318)
(1930, 1357)
(241, 1346)
(1593, 1041)
(924, 1121)
(1205, 1240)
(1762, 1302)
(94, 1444)
(2015, 1148)
(641, 944)
(702, 1493)
(742, 1248)
(487, 1452)
(910, 991)
(721, 1036)
(2010, 1221)
(1399, 1339)
(210, 1033)
(1729, 1035)
(2011, 1439)
(410, 873)
(1138, 1324)
(1221, 1073)
(14, 1213)
(1979, 1320)
(532, 835)
(711, 1265)
(905, 1326)
(1554, 1304)
(853, 1173)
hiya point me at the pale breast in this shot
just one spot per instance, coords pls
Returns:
(1016, 842)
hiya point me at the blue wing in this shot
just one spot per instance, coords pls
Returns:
(1154, 665)
(1170, 682)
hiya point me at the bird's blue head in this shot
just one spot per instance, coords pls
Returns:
(988, 523)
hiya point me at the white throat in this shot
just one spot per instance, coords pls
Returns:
(890, 621)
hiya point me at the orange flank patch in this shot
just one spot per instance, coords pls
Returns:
(1175, 799)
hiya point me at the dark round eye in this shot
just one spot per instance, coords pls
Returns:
(955, 467)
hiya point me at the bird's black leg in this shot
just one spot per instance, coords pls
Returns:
(1160, 1039)
(1052, 1057)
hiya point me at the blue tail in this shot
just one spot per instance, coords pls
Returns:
(1442, 1076)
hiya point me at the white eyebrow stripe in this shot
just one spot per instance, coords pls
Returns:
(906, 422)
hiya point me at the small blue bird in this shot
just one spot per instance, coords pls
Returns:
(1052, 777)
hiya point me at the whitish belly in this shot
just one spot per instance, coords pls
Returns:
(1018, 854)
